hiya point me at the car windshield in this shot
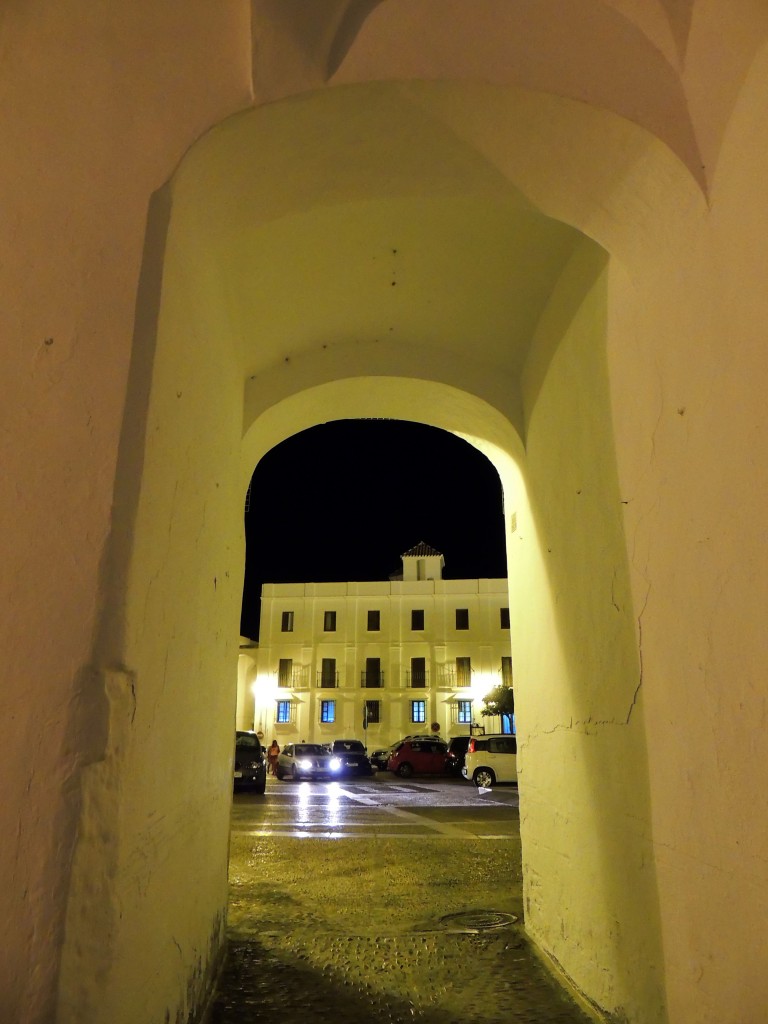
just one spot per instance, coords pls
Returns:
(349, 746)
(303, 749)
(245, 739)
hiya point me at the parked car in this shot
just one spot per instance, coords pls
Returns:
(351, 753)
(307, 761)
(457, 751)
(491, 759)
(379, 758)
(418, 757)
(250, 769)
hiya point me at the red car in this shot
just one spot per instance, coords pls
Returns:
(418, 757)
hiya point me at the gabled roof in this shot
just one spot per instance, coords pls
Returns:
(421, 550)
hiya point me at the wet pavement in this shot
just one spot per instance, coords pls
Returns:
(380, 900)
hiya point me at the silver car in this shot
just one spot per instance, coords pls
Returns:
(307, 761)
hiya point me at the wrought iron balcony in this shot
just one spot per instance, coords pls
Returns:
(328, 680)
(372, 680)
(296, 679)
(417, 680)
(450, 679)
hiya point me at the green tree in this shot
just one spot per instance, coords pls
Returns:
(500, 701)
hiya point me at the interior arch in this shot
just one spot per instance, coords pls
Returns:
(253, 237)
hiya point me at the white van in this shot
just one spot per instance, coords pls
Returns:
(491, 759)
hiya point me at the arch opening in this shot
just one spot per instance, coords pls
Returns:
(227, 383)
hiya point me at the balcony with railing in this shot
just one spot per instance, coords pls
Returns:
(372, 680)
(328, 680)
(296, 679)
(417, 679)
(449, 679)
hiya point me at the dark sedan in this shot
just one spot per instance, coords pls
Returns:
(379, 758)
(351, 753)
(307, 761)
(250, 769)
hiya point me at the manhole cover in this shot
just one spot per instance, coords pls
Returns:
(478, 920)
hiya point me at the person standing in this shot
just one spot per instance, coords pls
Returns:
(272, 751)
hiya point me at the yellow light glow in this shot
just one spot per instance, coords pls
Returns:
(482, 684)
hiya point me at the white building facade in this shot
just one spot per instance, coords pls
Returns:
(377, 660)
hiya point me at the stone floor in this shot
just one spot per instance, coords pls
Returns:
(381, 906)
(436, 978)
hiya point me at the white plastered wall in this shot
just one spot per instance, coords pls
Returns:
(593, 813)
(685, 310)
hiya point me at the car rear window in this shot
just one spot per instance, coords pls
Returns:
(503, 745)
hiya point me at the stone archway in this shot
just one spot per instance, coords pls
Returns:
(417, 282)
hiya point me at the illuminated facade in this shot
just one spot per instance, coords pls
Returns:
(379, 660)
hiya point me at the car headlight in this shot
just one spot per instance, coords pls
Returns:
(305, 764)
(335, 764)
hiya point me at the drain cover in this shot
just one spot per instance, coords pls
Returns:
(478, 920)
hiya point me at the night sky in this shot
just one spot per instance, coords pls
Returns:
(344, 500)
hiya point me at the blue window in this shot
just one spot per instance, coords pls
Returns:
(418, 711)
(327, 710)
(283, 711)
(464, 712)
(508, 723)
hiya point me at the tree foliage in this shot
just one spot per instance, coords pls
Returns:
(500, 701)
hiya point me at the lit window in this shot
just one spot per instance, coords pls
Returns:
(287, 622)
(462, 618)
(283, 711)
(374, 621)
(464, 712)
(508, 723)
(327, 710)
(329, 622)
(418, 711)
(504, 617)
(417, 618)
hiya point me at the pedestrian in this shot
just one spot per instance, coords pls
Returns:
(272, 751)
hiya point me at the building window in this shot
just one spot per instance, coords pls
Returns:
(328, 675)
(328, 711)
(418, 675)
(418, 711)
(373, 676)
(372, 712)
(329, 622)
(463, 671)
(374, 621)
(417, 618)
(286, 625)
(504, 617)
(508, 723)
(464, 712)
(462, 618)
(506, 671)
(285, 672)
(284, 711)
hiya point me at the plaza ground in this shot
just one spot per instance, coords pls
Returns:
(384, 901)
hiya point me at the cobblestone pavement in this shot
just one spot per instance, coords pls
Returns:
(377, 902)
